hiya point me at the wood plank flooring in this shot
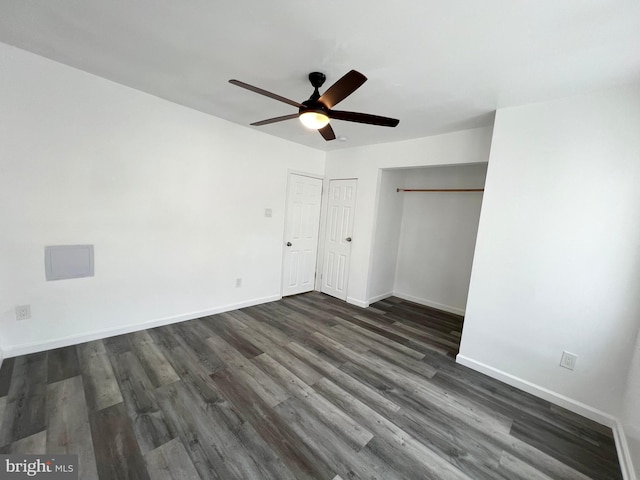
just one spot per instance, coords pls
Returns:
(305, 388)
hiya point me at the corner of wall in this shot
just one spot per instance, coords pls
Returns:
(357, 303)
(430, 303)
(377, 298)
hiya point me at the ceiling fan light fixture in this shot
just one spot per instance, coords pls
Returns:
(316, 112)
(314, 120)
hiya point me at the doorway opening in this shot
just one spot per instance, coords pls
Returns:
(424, 241)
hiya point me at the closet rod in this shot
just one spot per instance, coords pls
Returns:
(440, 190)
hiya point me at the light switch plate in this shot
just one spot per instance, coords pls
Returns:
(23, 312)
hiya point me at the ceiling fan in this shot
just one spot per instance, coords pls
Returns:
(317, 111)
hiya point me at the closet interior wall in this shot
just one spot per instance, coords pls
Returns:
(424, 241)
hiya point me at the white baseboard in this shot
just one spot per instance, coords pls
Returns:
(540, 392)
(429, 303)
(575, 406)
(357, 303)
(624, 453)
(377, 298)
(28, 348)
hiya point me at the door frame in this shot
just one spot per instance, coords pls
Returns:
(284, 223)
(323, 228)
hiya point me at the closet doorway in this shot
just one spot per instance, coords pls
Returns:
(424, 240)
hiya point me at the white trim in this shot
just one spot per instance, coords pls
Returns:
(321, 234)
(28, 348)
(624, 456)
(410, 298)
(429, 303)
(377, 298)
(357, 303)
(541, 392)
(319, 176)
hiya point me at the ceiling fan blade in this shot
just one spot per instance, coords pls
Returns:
(275, 119)
(261, 91)
(327, 132)
(363, 118)
(342, 88)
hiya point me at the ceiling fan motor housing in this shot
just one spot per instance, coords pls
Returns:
(313, 106)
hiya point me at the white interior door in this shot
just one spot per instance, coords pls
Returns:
(304, 195)
(337, 246)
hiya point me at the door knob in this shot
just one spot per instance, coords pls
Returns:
(289, 244)
(348, 239)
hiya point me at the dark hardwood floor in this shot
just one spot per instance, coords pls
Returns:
(304, 388)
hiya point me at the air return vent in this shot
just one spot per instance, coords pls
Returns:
(62, 262)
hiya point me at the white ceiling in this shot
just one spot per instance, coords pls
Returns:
(438, 66)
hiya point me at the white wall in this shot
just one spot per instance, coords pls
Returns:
(172, 199)
(438, 236)
(364, 163)
(386, 237)
(557, 261)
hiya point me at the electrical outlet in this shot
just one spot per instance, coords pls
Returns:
(23, 312)
(238, 282)
(568, 360)
(268, 212)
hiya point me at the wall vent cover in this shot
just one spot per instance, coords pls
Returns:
(62, 262)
